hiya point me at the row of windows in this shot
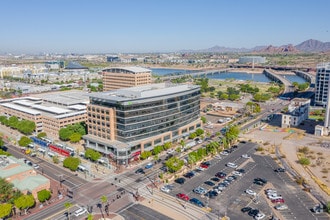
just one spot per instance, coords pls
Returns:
(166, 118)
(156, 130)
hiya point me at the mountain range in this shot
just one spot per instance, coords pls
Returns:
(310, 46)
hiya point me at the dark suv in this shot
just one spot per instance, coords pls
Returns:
(180, 180)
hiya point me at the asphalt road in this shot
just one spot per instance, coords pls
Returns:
(142, 212)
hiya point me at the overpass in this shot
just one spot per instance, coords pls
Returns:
(288, 88)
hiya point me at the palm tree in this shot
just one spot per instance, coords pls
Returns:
(67, 206)
(104, 200)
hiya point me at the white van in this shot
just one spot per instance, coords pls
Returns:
(82, 168)
(51, 154)
(41, 150)
(80, 211)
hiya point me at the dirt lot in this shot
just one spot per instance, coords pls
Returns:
(292, 147)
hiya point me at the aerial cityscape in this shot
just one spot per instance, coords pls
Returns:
(199, 110)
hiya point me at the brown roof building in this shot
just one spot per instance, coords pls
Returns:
(124, 77)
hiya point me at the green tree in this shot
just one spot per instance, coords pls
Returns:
(71, 163)
(26, 127)
(65, 134)
(1, 142)
(24, 202)
(223, 96)
(145, 154)
(67, 206)
(42, 134)
(24, 141)
(174, 164)
(157, 150)
(199, 131)
(5, 210)
(92, 155)
(13, 122)
(192, 135)
(203, 119)
(43, 195)
(167, 145)
(75, 137)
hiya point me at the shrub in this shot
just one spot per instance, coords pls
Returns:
(260, 148)
(303, 150)
(304, 161)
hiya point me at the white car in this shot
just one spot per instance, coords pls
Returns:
(270, 191)
(218, 157)
(246, 156)
(281, 207)
(35, 166)
(224, 153)
(250, 192)
(259, 216)
(232, 165)
(165, 189)
(236, 173)
(80, 211)
(275, 196)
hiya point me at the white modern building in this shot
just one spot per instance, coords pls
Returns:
(298, 111)
(322, 84)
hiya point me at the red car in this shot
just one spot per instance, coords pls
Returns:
(204, 166)
(278, 201)
(182, 196)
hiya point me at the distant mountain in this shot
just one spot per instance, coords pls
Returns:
(306, 46)
(282, 49)
(313, 46)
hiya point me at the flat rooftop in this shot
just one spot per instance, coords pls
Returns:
(132, 69)
(145, 91)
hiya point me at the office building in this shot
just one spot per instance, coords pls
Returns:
(50, 112)
(322, 84)
(125, 122)
(298, 111)
(124, 77)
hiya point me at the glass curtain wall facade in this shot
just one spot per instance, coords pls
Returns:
(322, 84)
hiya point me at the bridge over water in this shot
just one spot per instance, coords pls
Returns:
(196, 74)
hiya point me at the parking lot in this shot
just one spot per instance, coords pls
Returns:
(233, 197)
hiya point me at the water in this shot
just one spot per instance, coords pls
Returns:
(164, 71)
(295, 78)
(257, 77)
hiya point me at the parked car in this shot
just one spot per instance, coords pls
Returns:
(215, 179)
(236, 173)
(259, 216)
(165, 189)
(240, 170)
(218, 157)
(224, 153)
(246, 156)
(261, 180)
(35, 166)
(280, 200)
(199, 190)
(180, 180)
(275, 196)
(281, 207)
(250, 192)
(211, 194)
(258, 183)
(246, 209)
(189, 175)
(196, 202)
(232, 165)
(221, 174)
(279, 170)
(253, 212)
(209, 183)
(182, 196)
(204, 166)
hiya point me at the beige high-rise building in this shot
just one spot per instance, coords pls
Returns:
(125, 77)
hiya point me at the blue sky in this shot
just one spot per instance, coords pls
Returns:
(114, 26)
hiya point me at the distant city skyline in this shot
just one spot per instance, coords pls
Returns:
(86, 26)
